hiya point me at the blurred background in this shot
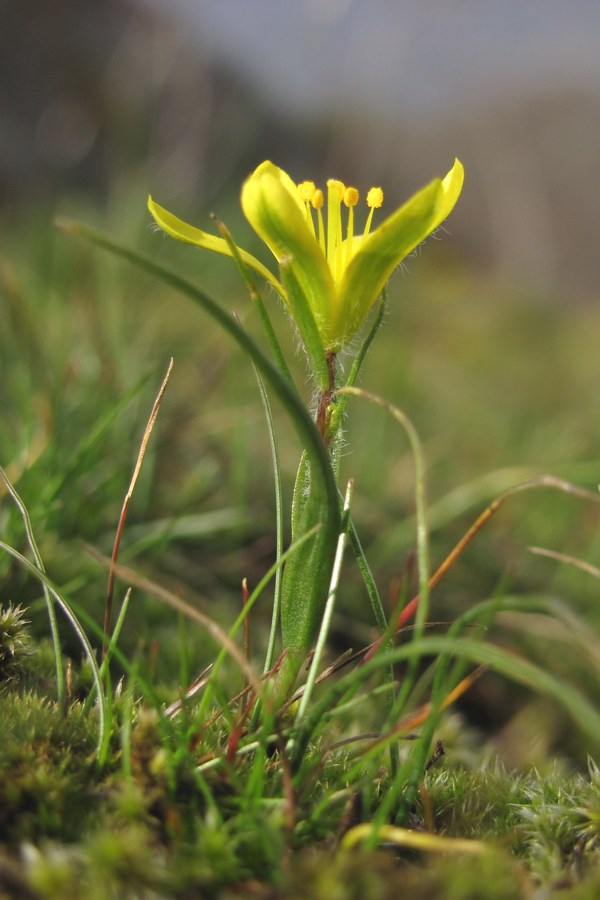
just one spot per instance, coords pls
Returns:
(491, 338)
(187, 96)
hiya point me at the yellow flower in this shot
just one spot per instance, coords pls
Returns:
(329, 279)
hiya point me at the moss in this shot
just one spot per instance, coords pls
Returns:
(15, 642)
(47, 761)
(552, 822)
(386, 876)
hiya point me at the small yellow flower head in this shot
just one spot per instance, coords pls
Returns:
(329, 276)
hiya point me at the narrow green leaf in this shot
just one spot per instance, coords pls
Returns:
(58, 659)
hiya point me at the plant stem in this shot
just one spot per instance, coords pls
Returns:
(325, 400)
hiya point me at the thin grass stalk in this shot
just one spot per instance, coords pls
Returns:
(127, 499)
(279, 526)
(415, 840)
(126, 732)
(148, 691)
(485, 609)
(367, 577)
(409, 777)
(257, 300)
(538, 481)
(380, 619)
(114, 640)
(61, 690)
(89, 652)
(422, 535)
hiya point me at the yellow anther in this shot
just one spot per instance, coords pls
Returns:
(350, 200)
(307, 190)
(375, 198)
(374, 201)
(350, 196)
(317, 199)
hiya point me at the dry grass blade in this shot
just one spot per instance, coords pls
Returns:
(194, 688)
(247, 632)
(127, 500)
(548, 481)
(566, 558)
(177, 603)
(419, 716)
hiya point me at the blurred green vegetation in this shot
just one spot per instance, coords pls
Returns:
(499, 382)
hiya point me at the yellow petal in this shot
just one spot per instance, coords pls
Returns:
(181, 231)
(379, 253)
(451, 187)
(272, 205)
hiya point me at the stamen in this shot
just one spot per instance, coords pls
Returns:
(350, 200)
(317, 203)
(306, 189)
(374, 201)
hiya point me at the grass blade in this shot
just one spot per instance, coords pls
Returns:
(127, 499)
(103, 731)
(60, 669)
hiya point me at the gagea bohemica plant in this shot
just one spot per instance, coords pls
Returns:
(330, 275)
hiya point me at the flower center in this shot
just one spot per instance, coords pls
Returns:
(338, 249)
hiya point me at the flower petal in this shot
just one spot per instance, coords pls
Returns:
(379, 254)
(451, 186)
(273, 207)
(181, 231)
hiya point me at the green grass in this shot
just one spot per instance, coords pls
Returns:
(501, 386)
